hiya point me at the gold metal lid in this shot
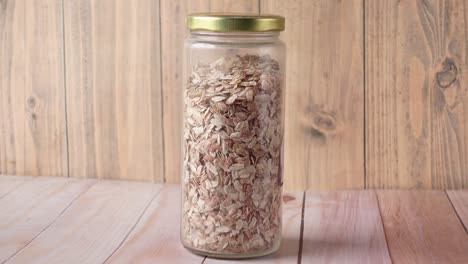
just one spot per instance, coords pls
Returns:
(224, 22)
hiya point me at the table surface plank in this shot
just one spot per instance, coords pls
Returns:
(459, 201)
(93, 227)
(289, 249)
(59, 220)
(422, 227)
(343, 227)
(155, 239)
(9, 183)
(29, 209)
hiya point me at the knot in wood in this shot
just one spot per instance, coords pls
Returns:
(320, 124)
(448, 75)
(324, 122)
(31, 101)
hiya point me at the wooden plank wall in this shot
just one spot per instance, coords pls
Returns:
(416, 94)
(32, 89)
(324, 97)
(113, 78)
(376, 90)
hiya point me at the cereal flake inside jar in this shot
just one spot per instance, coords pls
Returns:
(232, 155)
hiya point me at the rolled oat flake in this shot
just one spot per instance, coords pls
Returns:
(232, 141)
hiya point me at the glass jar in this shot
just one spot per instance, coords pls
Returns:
(233, 135)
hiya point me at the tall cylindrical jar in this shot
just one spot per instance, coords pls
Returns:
(232, 135)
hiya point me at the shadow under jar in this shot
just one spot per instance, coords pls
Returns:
(233, 135)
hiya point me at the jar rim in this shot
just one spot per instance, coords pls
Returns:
(227, 22)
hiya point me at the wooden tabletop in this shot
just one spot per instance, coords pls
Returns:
(61, 220)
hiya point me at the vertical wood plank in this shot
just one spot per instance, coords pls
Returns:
(324, 93)
(12, 89)
(416, 95)
(291, 234)
(30, 209)
(173, 33)
(32, 109)
(93, 227)
(459, 200)
(233, 6)
(343, 227)
(422, 227)
(155, 239)
(113, 89)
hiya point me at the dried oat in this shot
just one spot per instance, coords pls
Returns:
(232, 146)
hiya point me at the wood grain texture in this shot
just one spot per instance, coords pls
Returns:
(324, 93)
(173, 33)
(60, 220)
(31, 208)
(119, 104)
(291, 234)
(93, 227)
(9, 183)
(343, 227)
(416, 94)
(232, 6)
(422, 227)
(32, 109)
(459, 200)
(114, 89)
(155, 239)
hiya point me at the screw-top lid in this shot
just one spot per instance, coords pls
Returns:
(223, 22)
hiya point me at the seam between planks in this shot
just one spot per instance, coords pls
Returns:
(364, 88)
(64, 61)
(383, 226)
(301, 232)
(52, 222)
(17, 186)
(456, 212)
(136, 223)
(161, 95)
